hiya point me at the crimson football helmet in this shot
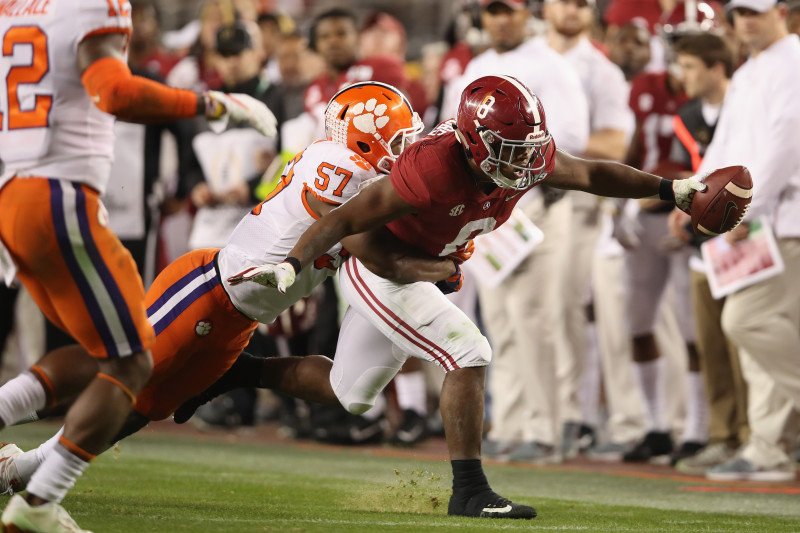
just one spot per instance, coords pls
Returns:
(374, 120)
(501, 123)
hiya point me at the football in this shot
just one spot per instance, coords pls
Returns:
(724, 203)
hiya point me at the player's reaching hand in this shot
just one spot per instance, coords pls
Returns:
(222, 108)
(280, 276)
(684, 190)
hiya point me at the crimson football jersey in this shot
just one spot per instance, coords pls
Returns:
(654, 106)
(433, 175)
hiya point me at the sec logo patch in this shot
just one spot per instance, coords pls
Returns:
(202, 328)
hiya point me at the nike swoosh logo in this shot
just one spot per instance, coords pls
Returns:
(505, 509)
(512, 196)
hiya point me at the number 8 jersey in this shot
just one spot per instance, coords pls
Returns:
(49, 125)
(326, 170)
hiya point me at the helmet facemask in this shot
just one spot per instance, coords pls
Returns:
(526, 158)
(402, 139)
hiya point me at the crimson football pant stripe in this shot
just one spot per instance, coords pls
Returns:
(384, 313)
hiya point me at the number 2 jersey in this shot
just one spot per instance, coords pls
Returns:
(50, 126)
(327, 170)
(433, 175)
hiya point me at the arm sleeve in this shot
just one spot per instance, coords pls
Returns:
(113, 88)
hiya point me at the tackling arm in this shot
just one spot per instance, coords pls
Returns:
(371, 208)
(390, 258)
(387, 256)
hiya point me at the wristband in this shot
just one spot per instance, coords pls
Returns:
(665, 191)
(295, 262)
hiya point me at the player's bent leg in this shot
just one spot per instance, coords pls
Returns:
(93, 420)
(421, 322)
(54, 381)
(98, 413)
(462, 412)
(364, 364)
(306, 378)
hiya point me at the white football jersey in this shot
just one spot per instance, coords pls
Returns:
(331, 172)
(50, 127)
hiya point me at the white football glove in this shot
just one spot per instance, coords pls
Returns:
(281, 276)
(684, 191)
(222, 108)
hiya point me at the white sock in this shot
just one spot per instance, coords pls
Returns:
(29, 461)
(56, 475)
(651, 383)
(411, 393)
(19, 397)
(697, 417)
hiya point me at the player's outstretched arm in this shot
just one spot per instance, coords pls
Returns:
(608, 178)
(109, 82)
(390, 258)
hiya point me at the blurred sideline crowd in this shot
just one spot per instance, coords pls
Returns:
(623, 353)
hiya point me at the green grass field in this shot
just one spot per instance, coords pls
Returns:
(166, 483)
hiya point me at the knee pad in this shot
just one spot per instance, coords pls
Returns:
(358, 394)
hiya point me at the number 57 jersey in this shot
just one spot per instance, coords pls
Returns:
(326, 170)
(49, 126)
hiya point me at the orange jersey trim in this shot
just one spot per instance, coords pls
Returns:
(307, 189)
(107, 31)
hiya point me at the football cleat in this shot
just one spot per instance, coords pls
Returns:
(489, 505)
(10, 481)
(19, 517)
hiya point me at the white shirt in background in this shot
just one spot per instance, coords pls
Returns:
(760, 128)
(548, 75)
